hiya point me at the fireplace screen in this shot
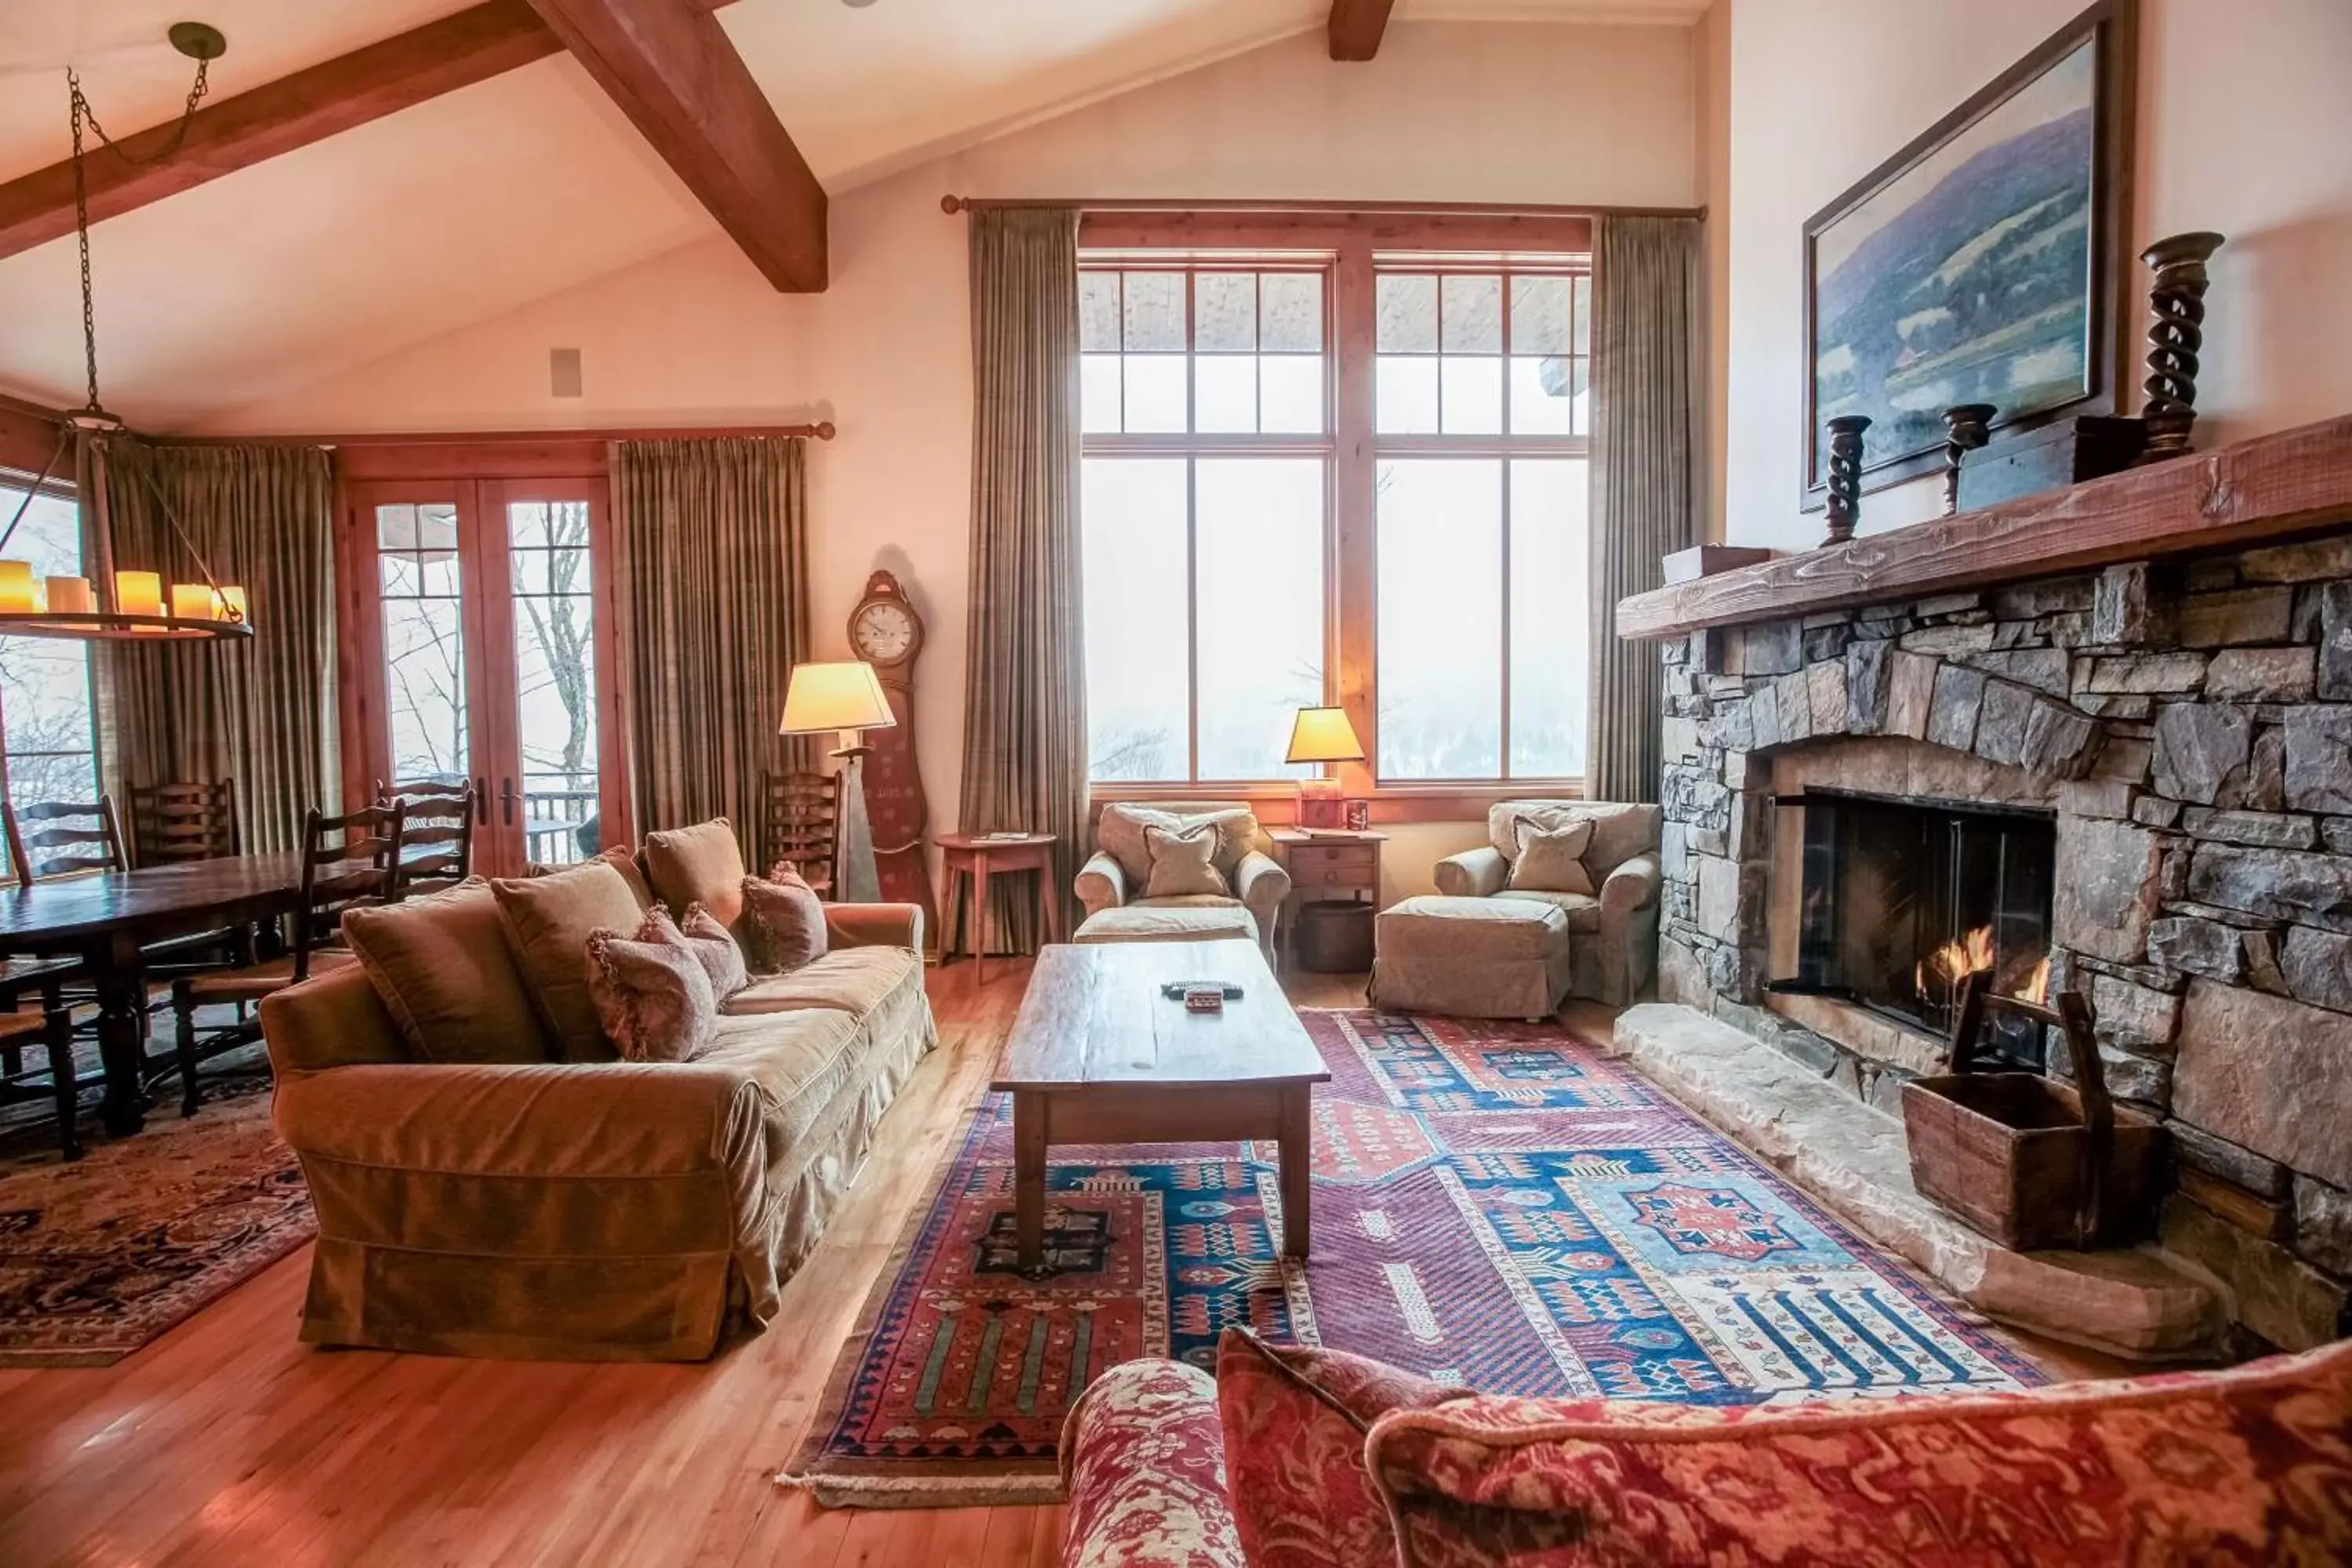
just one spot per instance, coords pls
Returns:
(1901, 898)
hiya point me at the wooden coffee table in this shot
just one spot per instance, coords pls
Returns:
(1099, 1055)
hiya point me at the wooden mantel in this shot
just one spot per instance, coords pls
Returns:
(2297, 481)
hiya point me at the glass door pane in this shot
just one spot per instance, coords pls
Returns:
(420, 581)
(553, 609)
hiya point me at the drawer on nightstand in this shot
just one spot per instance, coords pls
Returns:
(1353, 867)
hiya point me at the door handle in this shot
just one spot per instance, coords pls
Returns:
(481, 800)
(506, 802)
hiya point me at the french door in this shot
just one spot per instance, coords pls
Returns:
(482, 615)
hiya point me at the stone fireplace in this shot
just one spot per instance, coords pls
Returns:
(2133, 783)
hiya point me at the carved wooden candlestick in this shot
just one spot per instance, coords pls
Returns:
(2177, 298)
(1845, 476)
(1967, 427)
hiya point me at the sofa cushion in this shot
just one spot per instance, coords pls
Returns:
(1551, 859)
(1620, 830)
(2252, 1464)
(547, 921)
(1295, 1419)
(1183, 862)
(711, 944)
(699, 864)
(783, 922)
(440, 965)
(653, 996)
(1118, 831)
(1582, 909)
(852, 980)
(632, 872)
(1431, 926)
(1182, 920)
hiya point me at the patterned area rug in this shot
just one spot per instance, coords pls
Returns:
(1496, 1204)
(98, 1257)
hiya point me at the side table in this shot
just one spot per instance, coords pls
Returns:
(974, 857)
(1326, 866)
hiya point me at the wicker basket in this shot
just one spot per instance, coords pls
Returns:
(2027, 1161)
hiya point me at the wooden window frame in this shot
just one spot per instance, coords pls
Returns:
(1354, 247)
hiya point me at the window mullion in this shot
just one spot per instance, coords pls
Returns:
(1191, 618)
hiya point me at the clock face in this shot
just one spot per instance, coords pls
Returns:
(884, 632)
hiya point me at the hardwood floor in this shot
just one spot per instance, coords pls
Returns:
(228, 1442)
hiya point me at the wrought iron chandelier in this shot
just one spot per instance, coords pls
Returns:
(115, 605)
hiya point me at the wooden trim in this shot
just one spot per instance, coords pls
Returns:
(235, 132)
(676, 74)
(823, 430)
(1275, 804)
(1355, 29)
(2274, 487)
(28, 439)
(1355, 582)
(1087, 206)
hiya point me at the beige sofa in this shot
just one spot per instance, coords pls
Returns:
(1114, 879)
(587, 1209)
(1613, 929)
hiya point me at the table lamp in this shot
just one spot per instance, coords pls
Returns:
(1322, 735)
(846, 696)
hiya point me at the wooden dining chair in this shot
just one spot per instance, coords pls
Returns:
(804, 816)
(436, 833)
(63, 851)
(46, 1022)
(347, 863)
(183, 820)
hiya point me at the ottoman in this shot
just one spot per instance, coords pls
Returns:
(1169, 923)
(1473, 958)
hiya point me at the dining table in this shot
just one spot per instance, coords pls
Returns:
(107, 919)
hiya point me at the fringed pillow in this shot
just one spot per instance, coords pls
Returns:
(711, 943)
(784, 919)
(653, 996)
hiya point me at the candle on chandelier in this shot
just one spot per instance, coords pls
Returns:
(18, 596)
(137, 593)
(71, 596)
(195, 601)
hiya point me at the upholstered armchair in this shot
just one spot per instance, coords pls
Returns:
(1118, 874)
(1613, 920)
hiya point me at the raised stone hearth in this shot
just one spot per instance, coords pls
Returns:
(2189, 728)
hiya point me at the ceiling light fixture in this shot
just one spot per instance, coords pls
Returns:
(117, 604)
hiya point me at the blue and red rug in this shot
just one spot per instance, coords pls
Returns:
(1496, 1204)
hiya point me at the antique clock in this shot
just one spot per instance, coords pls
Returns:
(886, 632)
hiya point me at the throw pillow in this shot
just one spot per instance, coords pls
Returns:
(1119, 833)
(784, 920)
(1551, 860)
(1970, 1479)
(1294, 1421)
(441, 966)
(714, 947)
(546, 921)
(699, 864)
(653, 998)
(1183, 862)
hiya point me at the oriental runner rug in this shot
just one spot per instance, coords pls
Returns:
(1496, 1203)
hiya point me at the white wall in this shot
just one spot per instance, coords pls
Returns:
(1448, 112)
(2243, 119)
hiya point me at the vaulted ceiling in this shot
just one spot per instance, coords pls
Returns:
(529, 181)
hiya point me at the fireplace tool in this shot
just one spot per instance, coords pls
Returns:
(2030, 1162)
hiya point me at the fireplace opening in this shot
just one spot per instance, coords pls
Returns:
(1901, 898)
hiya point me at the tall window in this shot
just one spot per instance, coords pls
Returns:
(1367, 456)
(1480, 418)
(45, 696)
(1207, 474)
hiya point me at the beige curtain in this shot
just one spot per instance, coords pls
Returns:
(1647, 315)
(713, 579)
(260, 711)
(1024, 753)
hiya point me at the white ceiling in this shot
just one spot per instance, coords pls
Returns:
(510, 190)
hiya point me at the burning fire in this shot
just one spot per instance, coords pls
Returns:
(1948, 965)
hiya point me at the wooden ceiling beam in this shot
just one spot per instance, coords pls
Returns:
(675, 73)
(234, 132)
(1356, 27)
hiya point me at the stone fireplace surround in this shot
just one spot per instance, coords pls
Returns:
(2190, 725)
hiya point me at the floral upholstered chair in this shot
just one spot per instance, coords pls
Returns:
(1604, 880)
(1180, 870)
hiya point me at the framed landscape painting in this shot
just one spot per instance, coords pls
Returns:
(1984, 263)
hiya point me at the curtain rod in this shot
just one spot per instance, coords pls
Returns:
(821, 431)
(954, 204)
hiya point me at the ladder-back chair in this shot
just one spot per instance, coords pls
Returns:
(63, 851)
(436, 833)
(804, 820)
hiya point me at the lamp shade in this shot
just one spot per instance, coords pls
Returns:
(1324, 735)
(843, 696)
